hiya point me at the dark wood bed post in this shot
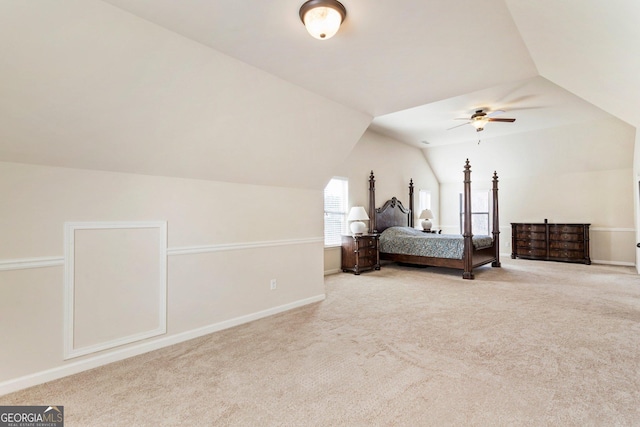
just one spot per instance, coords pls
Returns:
(468, 235)
(411, 214)
(372, 203)
(496, 222)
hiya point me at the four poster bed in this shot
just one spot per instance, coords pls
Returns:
(400, 242)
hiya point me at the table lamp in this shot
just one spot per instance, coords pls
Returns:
(357, 214)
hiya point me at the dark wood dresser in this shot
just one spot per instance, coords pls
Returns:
(360, 253)
(550, 242)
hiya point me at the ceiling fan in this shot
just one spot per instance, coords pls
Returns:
(480, 118)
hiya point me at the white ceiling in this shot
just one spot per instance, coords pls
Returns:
(416, 65)
(535, 103)
(388, 55)
(227, 90)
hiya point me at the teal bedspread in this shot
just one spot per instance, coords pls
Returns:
(410, 241)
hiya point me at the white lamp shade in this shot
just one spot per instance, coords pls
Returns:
(426, 214)
(357, 214)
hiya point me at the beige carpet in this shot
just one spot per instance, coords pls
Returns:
(533, 343)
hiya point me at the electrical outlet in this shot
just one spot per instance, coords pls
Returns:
(274, 284)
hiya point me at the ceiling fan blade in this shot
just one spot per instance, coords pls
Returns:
(527, 108)
(502, 120)
(460, 125)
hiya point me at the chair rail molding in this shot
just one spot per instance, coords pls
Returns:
(55, 261)
(26, 263)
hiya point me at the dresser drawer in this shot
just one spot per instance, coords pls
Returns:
(366, 261)
(532, 252)
(368, 252)
(566, 228)
(566, 254)
(576, 246)
(530, 235)
(566, 237)
(367, 242)
(525, 244)
(539, 228)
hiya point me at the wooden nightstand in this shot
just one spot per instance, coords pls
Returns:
(360, 253)
(432, 231)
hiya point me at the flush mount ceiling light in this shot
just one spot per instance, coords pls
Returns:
(322, 17)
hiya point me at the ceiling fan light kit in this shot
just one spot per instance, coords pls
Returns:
(322, 18)
(480, 118)
(479, 123)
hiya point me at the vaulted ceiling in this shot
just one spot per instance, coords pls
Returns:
(228, 90)
(388, 55)
(438, 60)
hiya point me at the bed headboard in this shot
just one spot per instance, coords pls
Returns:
(392, 214)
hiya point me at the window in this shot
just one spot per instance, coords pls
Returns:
(479, 213)
(335, 210)
(424, 200)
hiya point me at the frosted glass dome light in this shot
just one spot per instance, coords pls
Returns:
(322, 18)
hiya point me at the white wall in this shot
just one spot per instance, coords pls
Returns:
(231, 157)
(576, 173)
(393, 163)
(225, 243)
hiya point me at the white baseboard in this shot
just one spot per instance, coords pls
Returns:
(621, 263)
(334, 271)
(111, 356)
(593, 261)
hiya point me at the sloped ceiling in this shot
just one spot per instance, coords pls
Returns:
(392, 56)
(388, 55)
(86, 85)
(589, 47)
(238, 91)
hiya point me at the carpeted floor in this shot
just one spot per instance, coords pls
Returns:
(533, 343)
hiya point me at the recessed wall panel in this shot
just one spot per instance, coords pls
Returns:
(115, 284)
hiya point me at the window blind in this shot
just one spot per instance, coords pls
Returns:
(335, 210)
